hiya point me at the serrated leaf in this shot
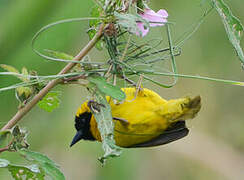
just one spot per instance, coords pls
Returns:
(20, 172)
(106, 127)
(50, 101)
(232, 24)
(38, 157)
(107, 88)
(48, 166)
(59, 55)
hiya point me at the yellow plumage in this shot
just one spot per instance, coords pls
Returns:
(148, 116)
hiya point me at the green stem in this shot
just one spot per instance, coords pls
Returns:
(238, 83)
(172, 54)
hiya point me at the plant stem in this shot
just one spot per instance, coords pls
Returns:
(20, 114)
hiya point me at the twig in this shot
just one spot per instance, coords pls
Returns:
(66, 80)
(18, 116)
(4, 149)
(128, 80)
(7, 148)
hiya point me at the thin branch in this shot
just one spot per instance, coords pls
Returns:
(128, 80)
(7, 148)
(19, 115)
(66, 80)
(4, 149)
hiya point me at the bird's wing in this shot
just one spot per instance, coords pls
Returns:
(175, 132)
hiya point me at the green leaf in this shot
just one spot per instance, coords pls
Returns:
(25, 172)
(107, 88)
(53, 171)
(38, 157)
(99, 45)
(106, 127)
(59, 55)
(4, 163)
(233, 26)
(50, 101)
(91, 32)
(48, 166)
(20, 172)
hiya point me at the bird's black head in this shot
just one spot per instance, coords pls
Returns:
(82, 126)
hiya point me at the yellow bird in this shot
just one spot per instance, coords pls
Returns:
(142, 120)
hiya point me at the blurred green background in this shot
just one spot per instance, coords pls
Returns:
(214, 148)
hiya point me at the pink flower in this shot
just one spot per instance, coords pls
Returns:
(156, 19)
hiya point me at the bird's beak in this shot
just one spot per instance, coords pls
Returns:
(77, 137)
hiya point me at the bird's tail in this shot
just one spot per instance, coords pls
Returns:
(181, 109)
